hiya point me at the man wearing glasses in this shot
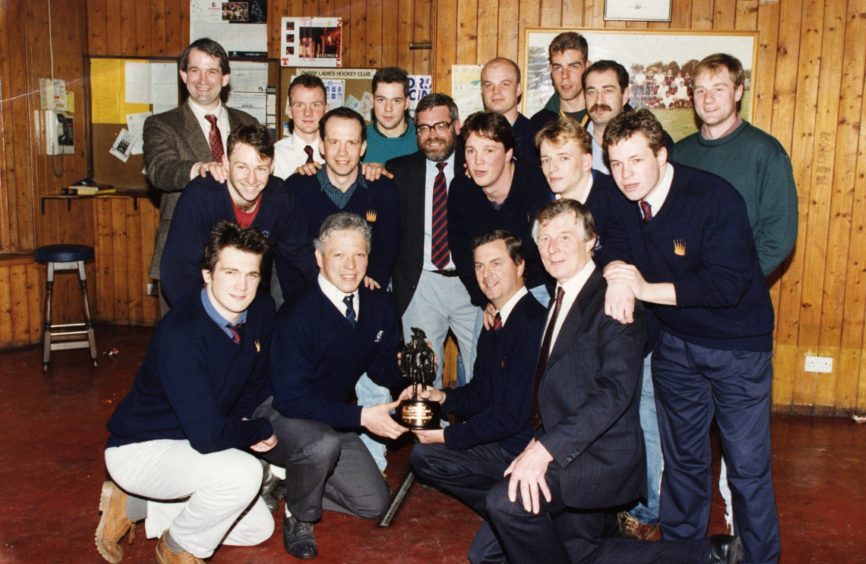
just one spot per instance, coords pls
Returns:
(429, 294)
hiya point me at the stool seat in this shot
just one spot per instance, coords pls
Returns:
(63, 253)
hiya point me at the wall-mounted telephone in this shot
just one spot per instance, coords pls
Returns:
(58, 133)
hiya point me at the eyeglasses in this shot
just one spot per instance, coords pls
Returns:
(440, 127)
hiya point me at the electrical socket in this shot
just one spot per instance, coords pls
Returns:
(822, 364)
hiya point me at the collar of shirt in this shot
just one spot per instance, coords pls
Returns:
(299, 144)
(325, 182)
(657, 197)
(737, 123)
(217, 318)
(572, 288)
(432, 171)
(597, 152)
(584, 196)
(335, 296)
(506, 310)
(222, 121)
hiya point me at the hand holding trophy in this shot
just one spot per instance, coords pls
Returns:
(417, 363)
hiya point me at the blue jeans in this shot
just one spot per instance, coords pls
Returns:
(369, 394)
(648, 513)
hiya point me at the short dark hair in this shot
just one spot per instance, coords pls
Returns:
(608, 65)
(512, 243)
(626, 124)
(562, 206)
(308, 81)
(229, 234)
(343, 221)
(562, 130)
(714, 62)
(568, 40)
(210, 47)
(433, 100)
(256, 136)
(344, 113)
(391, 75)
(490, 126)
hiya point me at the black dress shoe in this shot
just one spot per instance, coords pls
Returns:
(298, 539)
(725, 549)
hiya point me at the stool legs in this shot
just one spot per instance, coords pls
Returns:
(65, 334)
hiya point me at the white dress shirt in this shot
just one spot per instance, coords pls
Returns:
(335, 296)
(572, 288)
(289, 154)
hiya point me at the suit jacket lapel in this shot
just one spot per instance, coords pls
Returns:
(194, 135)
(569, 330)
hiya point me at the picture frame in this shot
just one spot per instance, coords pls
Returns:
(658, 62)
(637, 10)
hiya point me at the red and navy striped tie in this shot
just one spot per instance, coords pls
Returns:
(439, 252)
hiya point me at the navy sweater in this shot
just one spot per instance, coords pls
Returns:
(204, 203)
(471, 214)
(524, 141)
(495, 403)
(700, 240)
(196, 384)
(377, 203)
(318, 356)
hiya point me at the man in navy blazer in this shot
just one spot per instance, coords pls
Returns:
(334, 332)
(466, 459)
(587, 454)
(180, 144)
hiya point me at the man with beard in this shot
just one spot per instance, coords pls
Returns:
(429, 295)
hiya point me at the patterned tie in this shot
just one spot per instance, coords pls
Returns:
(647, 210)
(309, 150)
(439, 252)
(350, 309)
(497, 322)
(543, 354)
(235, 330)
(215, 138)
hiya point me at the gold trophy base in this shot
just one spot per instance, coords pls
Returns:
(419, 414)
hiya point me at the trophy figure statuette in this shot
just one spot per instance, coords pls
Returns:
(418, 365)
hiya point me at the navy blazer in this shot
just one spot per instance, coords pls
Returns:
(588, 399)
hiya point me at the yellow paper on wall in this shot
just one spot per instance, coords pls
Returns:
(107, 88)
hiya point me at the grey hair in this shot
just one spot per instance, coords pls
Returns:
(343, 221)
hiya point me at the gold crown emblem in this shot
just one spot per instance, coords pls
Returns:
(371, 216)
(679, 247)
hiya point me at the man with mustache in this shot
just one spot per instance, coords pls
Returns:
(428, 292)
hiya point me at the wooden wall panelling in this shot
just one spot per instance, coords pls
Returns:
(551, 13)
(681, 14)
(97, 26)
(158, 31)
(424, 31)
(507, 31)
(375, 35)
(119, 255)
(445, 42)
(390, 33)
(404, 34)
(5, 304)
(35, 300)
(724, 14)
(488, 30)
(702, 14)
(144, 29)
(358, 25)
(746, 14)
(530, 16)
(467, 31)
(21, 299)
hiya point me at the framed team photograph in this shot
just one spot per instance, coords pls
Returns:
(660, 65)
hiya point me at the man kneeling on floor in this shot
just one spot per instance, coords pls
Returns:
(178, 438)
(468, 458)
(335, 331)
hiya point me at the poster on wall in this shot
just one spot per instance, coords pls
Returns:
(419, 86)
(466, 88)
(311, 42)
(239, 26)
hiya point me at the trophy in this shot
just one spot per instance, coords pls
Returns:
(418, 366)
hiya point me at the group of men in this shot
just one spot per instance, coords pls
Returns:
(560, 250)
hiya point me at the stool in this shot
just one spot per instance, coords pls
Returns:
(65, 336)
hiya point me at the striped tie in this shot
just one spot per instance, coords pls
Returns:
(439, 253)
(215, 139)
(309, 150)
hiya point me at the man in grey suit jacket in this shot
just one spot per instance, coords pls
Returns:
(189, 141)
(587, 454)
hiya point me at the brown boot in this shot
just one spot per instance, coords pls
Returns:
(164, 554)
(631, 528)
(113, 524)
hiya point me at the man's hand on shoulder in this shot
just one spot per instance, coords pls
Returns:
(377, 419)
(371, 284)
(619, 298)
(309, 169)
(374, 171)
(527, 473)
(217, 170)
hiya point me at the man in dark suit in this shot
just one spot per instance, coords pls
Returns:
(189, 141)
(587, 454)
(428, 292)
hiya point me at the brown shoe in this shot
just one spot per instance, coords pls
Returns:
(113, 524)
(164, 554)
(633, 529)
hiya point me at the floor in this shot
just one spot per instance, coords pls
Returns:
(51, 468)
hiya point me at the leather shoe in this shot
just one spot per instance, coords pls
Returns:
(164, 555)
(298, 539)
(725, 549)
(631, 528)
(114, 523)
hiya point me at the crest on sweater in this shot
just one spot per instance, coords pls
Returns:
(258, 346)
(679, 247)
(379, 336)
(371, 216)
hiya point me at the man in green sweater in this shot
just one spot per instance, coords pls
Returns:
(754, 162)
